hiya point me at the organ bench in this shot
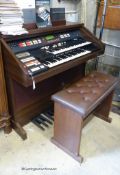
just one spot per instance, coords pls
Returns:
(73, 105)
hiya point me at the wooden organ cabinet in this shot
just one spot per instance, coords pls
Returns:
(42, 62)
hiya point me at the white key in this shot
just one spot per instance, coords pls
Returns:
(68, 59)
(42, 66)
(79, 55)
(71, 47)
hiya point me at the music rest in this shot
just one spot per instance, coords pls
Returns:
(57, 16)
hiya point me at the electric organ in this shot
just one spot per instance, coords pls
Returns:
(41, 63)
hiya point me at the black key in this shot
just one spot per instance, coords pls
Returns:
(49, 115)
(46, 62)
(42, 121)
(58, 58)
(38, 124)
(45, 117)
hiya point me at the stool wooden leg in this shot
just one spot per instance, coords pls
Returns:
(102, 111)
(67, 130)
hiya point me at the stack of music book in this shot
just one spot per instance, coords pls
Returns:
(11, 18)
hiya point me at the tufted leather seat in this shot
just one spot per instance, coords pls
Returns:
(85, 94)
(73, 105)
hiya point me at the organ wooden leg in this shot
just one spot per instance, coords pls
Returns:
(5, 122)
(102, 111)
(19, 130)
(67, 130)
(7, 128)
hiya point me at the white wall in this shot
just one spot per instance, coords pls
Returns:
(28, 6)
(24, 4)
(87, 12)
(68, 4)
(85, 8)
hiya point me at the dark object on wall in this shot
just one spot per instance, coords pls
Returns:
(102, 27)
(103, 19)
(96, 17)
(57, 16)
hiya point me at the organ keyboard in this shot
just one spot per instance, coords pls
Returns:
(42, 53)
(52, 58)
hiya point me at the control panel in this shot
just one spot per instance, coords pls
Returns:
(31, 63)
(31, 43)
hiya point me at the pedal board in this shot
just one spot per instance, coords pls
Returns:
(44, 120)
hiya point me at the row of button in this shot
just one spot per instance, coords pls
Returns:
(66, 35)
(36, 69)
(34, 41)
(33, 65)
(29, 43)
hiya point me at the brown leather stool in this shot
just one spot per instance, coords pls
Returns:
(73, 105)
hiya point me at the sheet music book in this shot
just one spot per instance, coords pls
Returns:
(11, 18)
(43, 13)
